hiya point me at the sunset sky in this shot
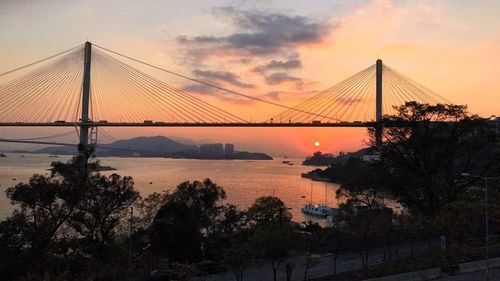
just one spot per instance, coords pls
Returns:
(282, 51)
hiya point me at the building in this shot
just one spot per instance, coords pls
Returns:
(229, 149)
(212, 150)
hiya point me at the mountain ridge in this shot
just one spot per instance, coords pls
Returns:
(155, 146)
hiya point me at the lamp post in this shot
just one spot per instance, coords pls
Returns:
(486, 238)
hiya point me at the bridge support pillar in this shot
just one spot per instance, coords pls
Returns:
(84, 129)
(378, 104)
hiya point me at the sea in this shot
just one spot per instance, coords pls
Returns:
(243, 180)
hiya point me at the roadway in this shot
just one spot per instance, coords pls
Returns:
(181, 124)
(323, 265)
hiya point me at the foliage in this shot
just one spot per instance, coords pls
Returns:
(269, 209)
(429, 149)
(273, 234)
(62, 219)
(191, 213)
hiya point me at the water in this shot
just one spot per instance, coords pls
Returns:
(243, 180)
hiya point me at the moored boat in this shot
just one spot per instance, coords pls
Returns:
(320, 210)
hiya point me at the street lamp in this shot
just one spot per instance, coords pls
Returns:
(486, 180)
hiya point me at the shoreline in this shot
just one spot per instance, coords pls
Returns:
(131, 156)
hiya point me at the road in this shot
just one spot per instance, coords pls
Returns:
(323, 266)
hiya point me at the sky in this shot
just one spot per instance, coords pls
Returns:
(282, 51)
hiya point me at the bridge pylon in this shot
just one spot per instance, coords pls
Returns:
(378, 103)
(84, 129)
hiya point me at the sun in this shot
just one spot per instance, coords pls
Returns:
(317, 144)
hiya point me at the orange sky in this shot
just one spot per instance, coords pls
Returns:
(451, 47)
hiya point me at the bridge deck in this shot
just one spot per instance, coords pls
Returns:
(165, 124)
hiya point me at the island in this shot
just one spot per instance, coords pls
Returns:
(340, 165)
(160, 146)
(98, 168)
(327, 159)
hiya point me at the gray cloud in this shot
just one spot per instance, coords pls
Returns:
(278, 64)
(282, 77)
(260, 33)
(228, 77)
(200, 89)
(211, 91)
(279, 95)
(275, 95)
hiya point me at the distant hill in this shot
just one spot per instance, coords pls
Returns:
(158, 146)
(140, 146)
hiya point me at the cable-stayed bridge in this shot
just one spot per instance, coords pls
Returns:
(90, 86)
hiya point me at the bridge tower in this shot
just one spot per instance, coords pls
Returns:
(378, 104)
(84, 129)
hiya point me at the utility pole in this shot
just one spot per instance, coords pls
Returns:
(378, 104)
(130, 239)
(84, 129)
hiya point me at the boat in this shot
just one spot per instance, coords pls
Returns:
(285, 162)
(319, 209)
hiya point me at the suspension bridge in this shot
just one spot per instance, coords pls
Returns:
(90, 86)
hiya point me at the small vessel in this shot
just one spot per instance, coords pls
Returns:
(318, 209)
(285, 162)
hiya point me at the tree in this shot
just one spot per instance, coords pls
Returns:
(269, 209)
(427, 148)
(148, 207)
(105, 202)
(237, 254)
(190, 215)
(311, 242)
(461, 221)
(45, 204)
(55, 211)
(272, 234)
(364, 226)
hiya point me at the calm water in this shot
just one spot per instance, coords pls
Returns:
(243, 180)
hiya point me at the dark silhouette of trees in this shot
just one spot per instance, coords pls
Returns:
(429, 150)
(190, 216)
(272, 234)
(105, 202)
(68, 215)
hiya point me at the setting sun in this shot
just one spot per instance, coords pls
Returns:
(316, 144)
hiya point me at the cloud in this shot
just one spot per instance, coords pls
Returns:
(225, 76)
(289, 95)
(206, 90)
(283, 77)
(258, 33)
(200, 89)
(278, 64)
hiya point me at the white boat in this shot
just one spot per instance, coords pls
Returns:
(320, 210)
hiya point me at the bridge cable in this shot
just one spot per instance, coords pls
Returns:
(204, 83)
